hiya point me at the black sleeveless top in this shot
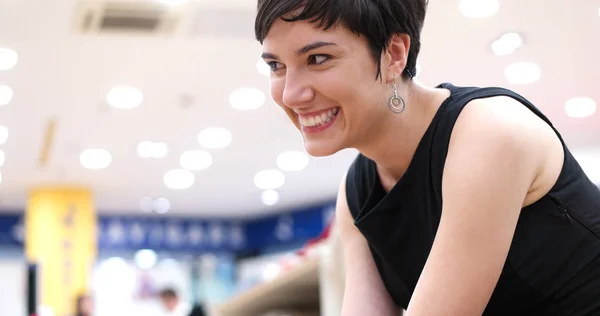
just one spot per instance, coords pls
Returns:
(553, 266)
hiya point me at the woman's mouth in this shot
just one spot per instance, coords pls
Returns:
(318, 122)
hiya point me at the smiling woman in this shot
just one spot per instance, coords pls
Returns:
(462, 201)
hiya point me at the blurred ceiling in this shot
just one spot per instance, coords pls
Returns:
(197, 54)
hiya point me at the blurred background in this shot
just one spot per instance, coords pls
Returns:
(144, 168)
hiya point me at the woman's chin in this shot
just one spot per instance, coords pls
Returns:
(321, 148)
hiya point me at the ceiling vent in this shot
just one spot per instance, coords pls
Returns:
(126, 16)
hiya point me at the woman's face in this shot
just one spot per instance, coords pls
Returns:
(326, 82)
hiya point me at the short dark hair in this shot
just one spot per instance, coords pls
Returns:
(168, 293)
(377, 20)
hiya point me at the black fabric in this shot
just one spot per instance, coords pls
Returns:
(553, 266)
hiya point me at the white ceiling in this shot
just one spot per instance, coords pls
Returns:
(66, 75)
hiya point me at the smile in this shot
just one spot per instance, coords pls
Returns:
(318, 122)
(319, 119)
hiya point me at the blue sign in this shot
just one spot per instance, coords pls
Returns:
(193, 235)
(12, 230)
(184, 234)
(289, 228)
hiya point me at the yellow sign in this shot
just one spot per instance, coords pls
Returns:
(60, 236)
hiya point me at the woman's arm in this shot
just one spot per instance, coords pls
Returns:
(497, 150)
(364, 292)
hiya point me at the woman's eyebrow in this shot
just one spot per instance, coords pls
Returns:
(305, 49)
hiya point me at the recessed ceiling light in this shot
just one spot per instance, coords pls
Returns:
(147, 204)
(292, 161)
(160, 150)
(145, 258)
(262, 67)
(214, 137)
(148, 149)
(3, 134)
(2, 158)
(522, 73)
(247, 99)
(145, 149)
(179, 179)
(124, 97)
(269, 179)
(162, 205)
(6, 94)
(269, 197)
(195, 160)
(580, 107)
(8, 58)
(507, 44)
(478, 9)
(95, 158)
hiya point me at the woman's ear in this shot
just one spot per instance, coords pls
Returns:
(396, 56)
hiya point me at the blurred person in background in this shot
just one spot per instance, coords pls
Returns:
(84, 305)
(172, 303)
(198, 310)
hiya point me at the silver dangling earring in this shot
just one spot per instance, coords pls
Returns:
(396, 103)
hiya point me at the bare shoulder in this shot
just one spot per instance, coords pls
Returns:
(505, 122)
(506, 115)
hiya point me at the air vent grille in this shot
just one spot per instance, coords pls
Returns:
(135, 23)
(126, 17)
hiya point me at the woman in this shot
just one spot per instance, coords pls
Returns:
(462, 201)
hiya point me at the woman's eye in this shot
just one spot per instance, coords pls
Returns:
(318, 59)
(274, 65)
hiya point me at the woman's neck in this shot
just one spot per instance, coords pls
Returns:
(395, 144)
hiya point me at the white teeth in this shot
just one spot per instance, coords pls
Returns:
(320, 119)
